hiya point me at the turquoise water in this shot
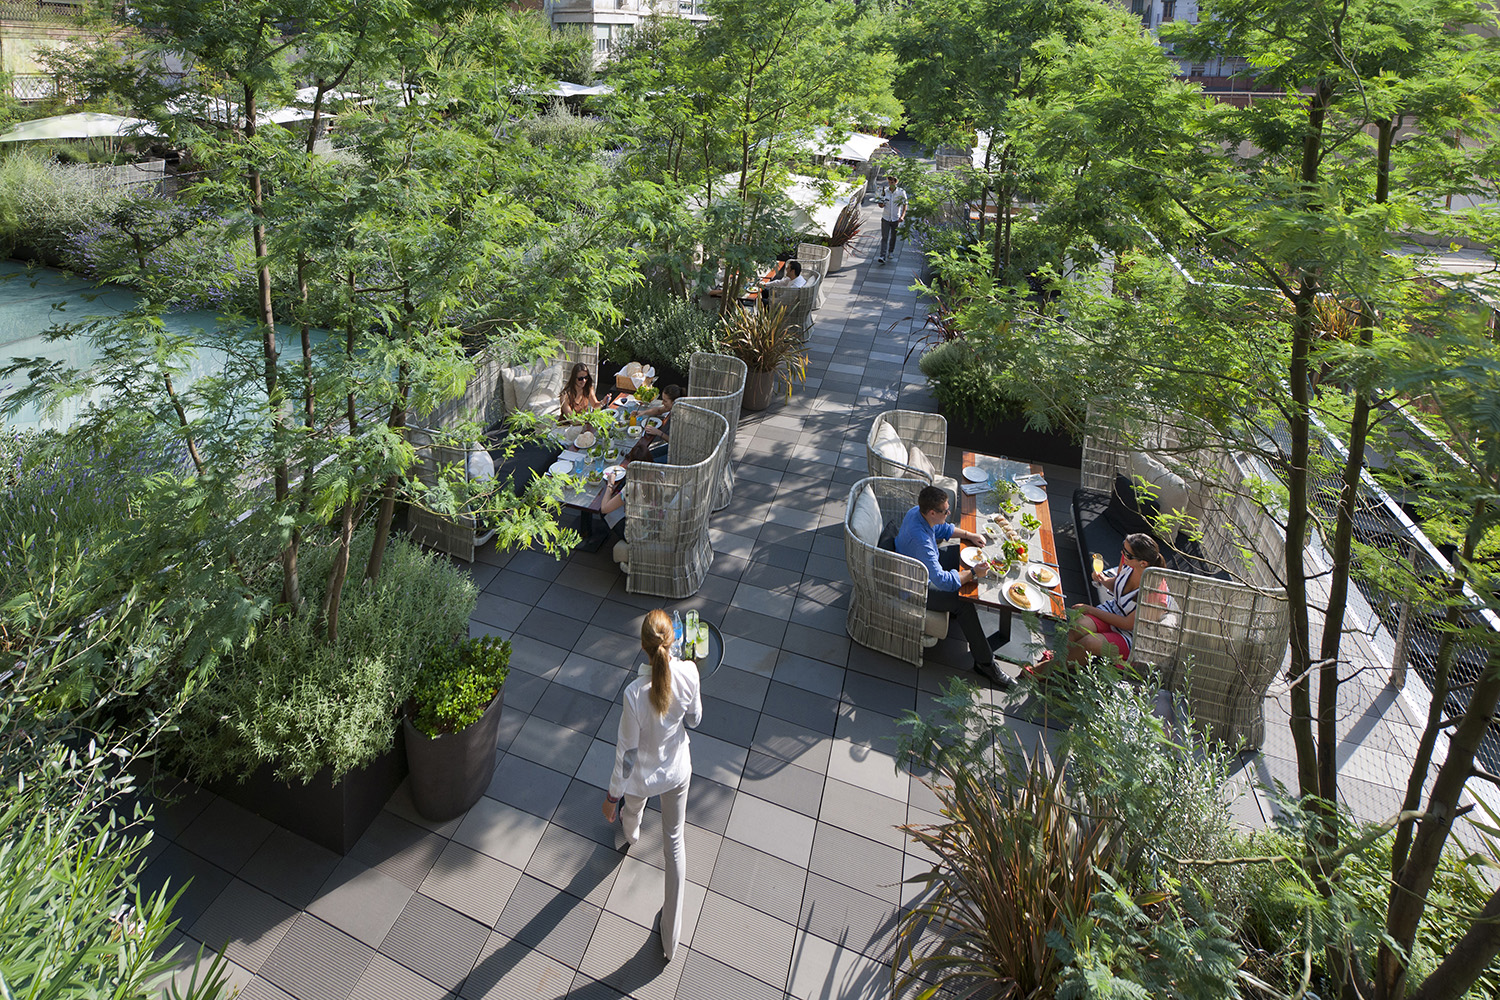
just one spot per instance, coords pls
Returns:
(30, 304)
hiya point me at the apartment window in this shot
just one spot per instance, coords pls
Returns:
(1168, 11)
(1138, 7)
(601, 39)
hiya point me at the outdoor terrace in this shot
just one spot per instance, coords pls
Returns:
(795, 861)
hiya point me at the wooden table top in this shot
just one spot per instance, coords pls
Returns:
(975, 510)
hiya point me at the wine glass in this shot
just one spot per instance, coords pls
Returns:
(1098, 563)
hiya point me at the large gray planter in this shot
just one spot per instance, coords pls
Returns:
(450, 772)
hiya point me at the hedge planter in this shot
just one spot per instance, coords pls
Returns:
(450, 772)
(333, 814)
(1011, 437)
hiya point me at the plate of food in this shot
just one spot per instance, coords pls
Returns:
(971, 555)
(614, 472)
(1021, 596)
(1034, 494)
(651, 422)
(561, 467)
(1043, 576)
(634, 432)
(976, 475)
(620, 414)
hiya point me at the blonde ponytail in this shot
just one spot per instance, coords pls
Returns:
(656, 640)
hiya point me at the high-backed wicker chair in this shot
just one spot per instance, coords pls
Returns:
(717, 382)
(667, 506)
(814, 258)
(1219, 643)
(888, 605)
(799, 303)
(456, 534)
(888, 452)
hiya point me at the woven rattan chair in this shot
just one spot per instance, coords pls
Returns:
(667, 506)
(457, 535)
(1218, 643)
(927, 431)
(717, 382)
(799, 303)
(814, 258)
(888, 605)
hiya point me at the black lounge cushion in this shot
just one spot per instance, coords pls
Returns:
(1102, 520)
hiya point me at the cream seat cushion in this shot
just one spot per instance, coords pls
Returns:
(865, 520)
(936, 624)
(888, 445)
(1170, 488)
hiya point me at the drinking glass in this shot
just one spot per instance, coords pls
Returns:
(1098, 563)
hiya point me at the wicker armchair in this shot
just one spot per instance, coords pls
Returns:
(815, 258)
(888, 606)
(717, 382)
(798, 302)
(458, 536)
(667, 506)
(926, 431)
(1218, 643)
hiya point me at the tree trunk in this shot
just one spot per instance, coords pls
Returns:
(340, 572)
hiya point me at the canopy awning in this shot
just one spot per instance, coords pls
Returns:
(859, 147)
(81, 125)
(816, 203)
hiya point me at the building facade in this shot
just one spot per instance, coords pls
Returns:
(609, 21)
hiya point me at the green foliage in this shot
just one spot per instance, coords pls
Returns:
(73, 924)
(457, 682)
(968, 383)
(295, 702)
(666, 331)
(42, 203)
(766, 342)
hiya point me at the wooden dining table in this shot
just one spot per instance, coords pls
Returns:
(974, 511)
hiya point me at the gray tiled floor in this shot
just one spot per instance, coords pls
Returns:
(795, 859)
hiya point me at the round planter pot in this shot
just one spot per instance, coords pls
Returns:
(835, 259)
(759, 387)
(450, 772)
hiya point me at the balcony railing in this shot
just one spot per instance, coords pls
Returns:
(39, 10)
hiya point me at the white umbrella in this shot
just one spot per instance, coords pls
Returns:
(81, 125)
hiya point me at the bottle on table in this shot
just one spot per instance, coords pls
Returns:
(677, 635)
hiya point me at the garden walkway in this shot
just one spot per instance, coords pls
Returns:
(795, 861)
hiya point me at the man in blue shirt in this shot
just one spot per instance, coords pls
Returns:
(924, 527)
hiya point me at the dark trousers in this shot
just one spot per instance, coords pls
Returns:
(967, 612)
(888, 236)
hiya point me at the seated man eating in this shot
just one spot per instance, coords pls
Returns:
(924, 527)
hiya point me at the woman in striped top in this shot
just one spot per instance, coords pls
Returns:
(1107, 629)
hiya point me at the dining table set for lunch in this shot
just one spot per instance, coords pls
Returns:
(1005, 502)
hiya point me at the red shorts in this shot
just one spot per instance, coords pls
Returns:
(1109, 634)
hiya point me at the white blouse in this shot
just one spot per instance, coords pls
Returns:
(659, 743)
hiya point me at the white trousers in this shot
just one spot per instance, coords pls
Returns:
(673, 819)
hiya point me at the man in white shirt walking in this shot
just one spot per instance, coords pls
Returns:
(893, 198)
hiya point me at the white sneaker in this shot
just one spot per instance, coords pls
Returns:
(880, 260)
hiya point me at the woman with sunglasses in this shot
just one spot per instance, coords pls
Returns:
(1106, 629)
(578, 394)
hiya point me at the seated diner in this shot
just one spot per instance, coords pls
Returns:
(578, 393)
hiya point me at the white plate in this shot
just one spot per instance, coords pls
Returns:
(614, 472)
(1032, 596)
(976, 475)
(1042, 576)
(634, 432)
(651, 422)
(619, 413)
(971, 555)
(561, 467)
(1034, 494)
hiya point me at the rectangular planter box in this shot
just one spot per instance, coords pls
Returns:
(334, 814)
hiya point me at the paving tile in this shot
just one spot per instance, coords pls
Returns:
(639, 891)
(746, 939)
(510, 970)
(582, 867)
(764, 881)
(859, 765)
(527, 785)
(845, 916)
(315, 961)
(618, 616)
(594, 677)
(176, 869)
(610, 645)
(289, 867)
(765, 575)
(225, 834)
(547, 919)
(384, 979)
(737, 687)
(570, 707)
(547, 743)
(884, 696)
(628, 957)
(818, 644)
(727, 721)
(245, 922)
(598, 764)
(500, 611)
(501, 831)
(260, 989)
(705, 978)
(474, 884)
(702, 846)
(400, 849)
(710, 804)
(859, 810)
(751, 625)
(855, 861)
(534, 562)
(535, 656)
(793, 743)
(753, 657)
(361, 901)
(782, 783)
(821, 970)
(401, 803)
(570, 601)
(771, 828)
(579, 811)
(800, 705)
(808, 673)
(869, 728)
(716, 759)
(436, 942)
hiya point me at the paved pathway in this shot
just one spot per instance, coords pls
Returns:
(795, 861)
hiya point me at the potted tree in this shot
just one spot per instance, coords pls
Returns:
(773, 349)
(845, 232)
(452, 724)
